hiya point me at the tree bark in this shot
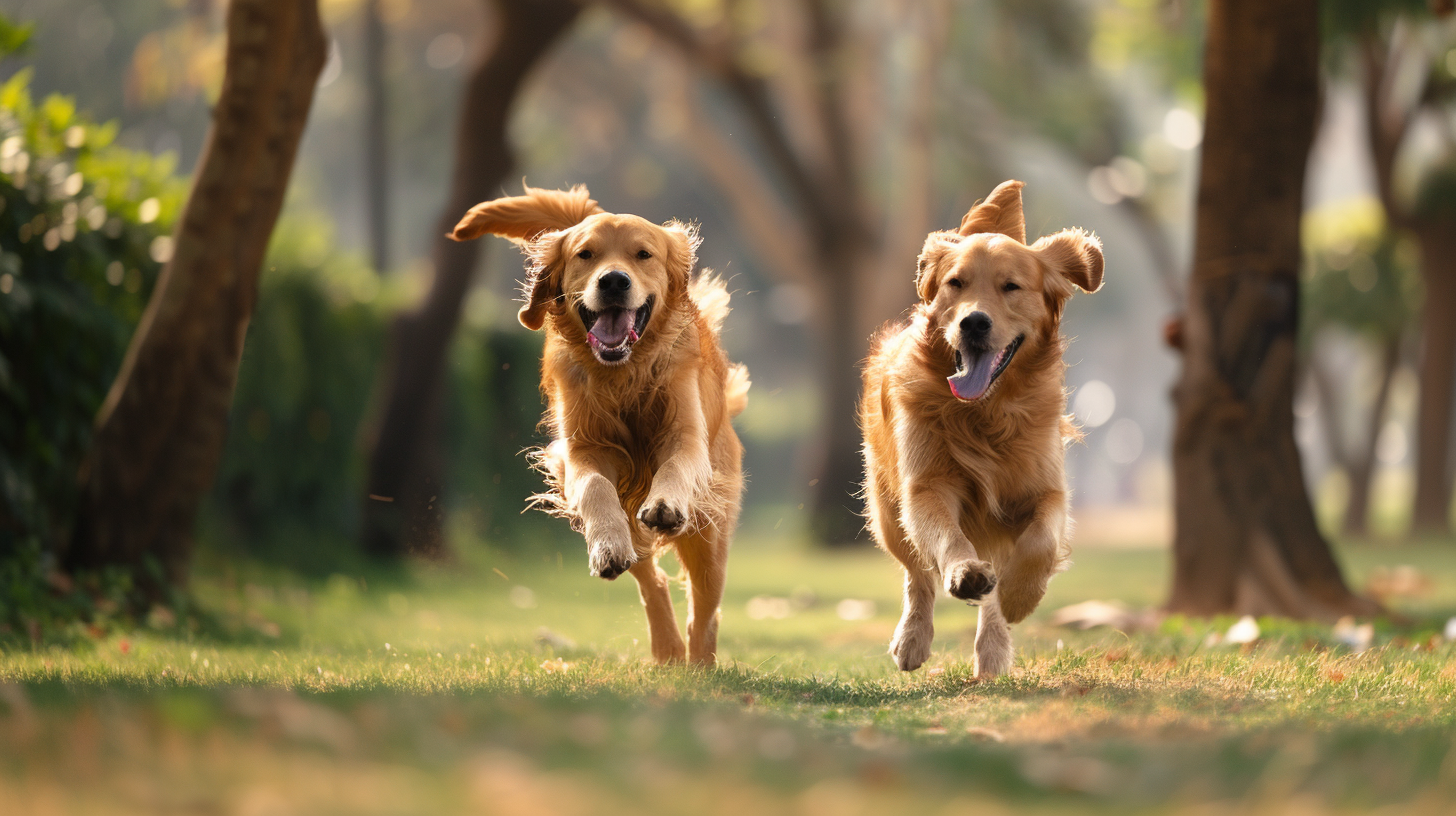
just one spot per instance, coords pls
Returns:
(161, 429)
(1246, 539)
(1431, 512)
(376, 137)
(402, 512)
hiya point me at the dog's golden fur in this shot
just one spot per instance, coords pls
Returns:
(970, 493)
(643, 456)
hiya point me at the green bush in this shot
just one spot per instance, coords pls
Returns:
(290, 483)
(82, 228)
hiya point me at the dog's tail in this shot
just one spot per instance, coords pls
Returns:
(710, 295)
(735, 391)
(521, 218)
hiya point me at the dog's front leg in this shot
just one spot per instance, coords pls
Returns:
(684, 471)
(1035, 558)
(932, 518)
(591, 495)
(930, 512)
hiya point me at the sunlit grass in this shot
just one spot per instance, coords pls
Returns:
(516, 684)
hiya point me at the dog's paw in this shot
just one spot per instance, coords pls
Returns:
(911, 645)
(610, 552)
(993, 660)
(664, 516)
(970, 580)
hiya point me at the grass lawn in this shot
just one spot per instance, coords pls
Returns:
(518, 685)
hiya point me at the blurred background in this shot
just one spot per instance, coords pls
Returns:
(1095, 104)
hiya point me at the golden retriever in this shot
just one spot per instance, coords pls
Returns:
(639, 397)
(964, 427)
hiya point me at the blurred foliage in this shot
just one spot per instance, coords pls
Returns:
(288, 489)
(82, 226)
(291, 468)
(1165, 36)
(1349, 18)
(1359, 274)
(82, 234)
(1436, 196)
(1038, 54)
(491, 419)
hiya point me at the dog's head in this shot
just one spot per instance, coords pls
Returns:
(601, 277)
(989, 294)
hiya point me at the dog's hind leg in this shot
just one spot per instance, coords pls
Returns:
(704, 556)
(911, 644)
(653, 584)
(993, 641)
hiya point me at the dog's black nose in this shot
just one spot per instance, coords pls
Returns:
(614, 282)
(976, 326)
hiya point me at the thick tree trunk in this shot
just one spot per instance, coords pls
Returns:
(161, 430)
(1432, 509)
(402, 510)
(843, 329)
(1246, 539)
(376, 137)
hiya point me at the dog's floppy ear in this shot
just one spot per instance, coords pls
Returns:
(542, 287)
(937, 244)
(1000, 212)
(1075, 256)
(682, 252)
(521, 218)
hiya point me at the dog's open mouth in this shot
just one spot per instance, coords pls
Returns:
(612, 331)
(976, 371)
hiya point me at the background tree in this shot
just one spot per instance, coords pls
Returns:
(376, 135)
(161, 430)
(1392, 41)
(402, 512)
(1361, 293)
(1246, 539)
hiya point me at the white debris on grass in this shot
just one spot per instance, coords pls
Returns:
(1451, 629)
(1089, 614)
(1244, 630)
(761, 607)
(1356, 636)
(853, 609)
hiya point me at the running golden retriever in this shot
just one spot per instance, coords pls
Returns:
(964, 426)
(639, 396)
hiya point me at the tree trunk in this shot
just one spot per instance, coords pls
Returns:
(844, 324)
(1246, 539)
(376, 137)
(1361, 470)
(402, 512)
(1431, 512)
(161, 429)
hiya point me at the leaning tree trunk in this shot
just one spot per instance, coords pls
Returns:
(1246, 539)
(1432, 510)
(160, 431)
(402, 511)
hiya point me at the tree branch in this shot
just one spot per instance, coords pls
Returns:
(717, 60)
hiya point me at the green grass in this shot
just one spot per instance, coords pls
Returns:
(520, 685)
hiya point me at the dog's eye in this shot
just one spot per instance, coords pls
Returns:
(954, 283)
(585, 254)
(1010, 286)
(643, 254)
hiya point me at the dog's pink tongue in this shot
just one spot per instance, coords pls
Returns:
(611, 327)
(971, 382)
